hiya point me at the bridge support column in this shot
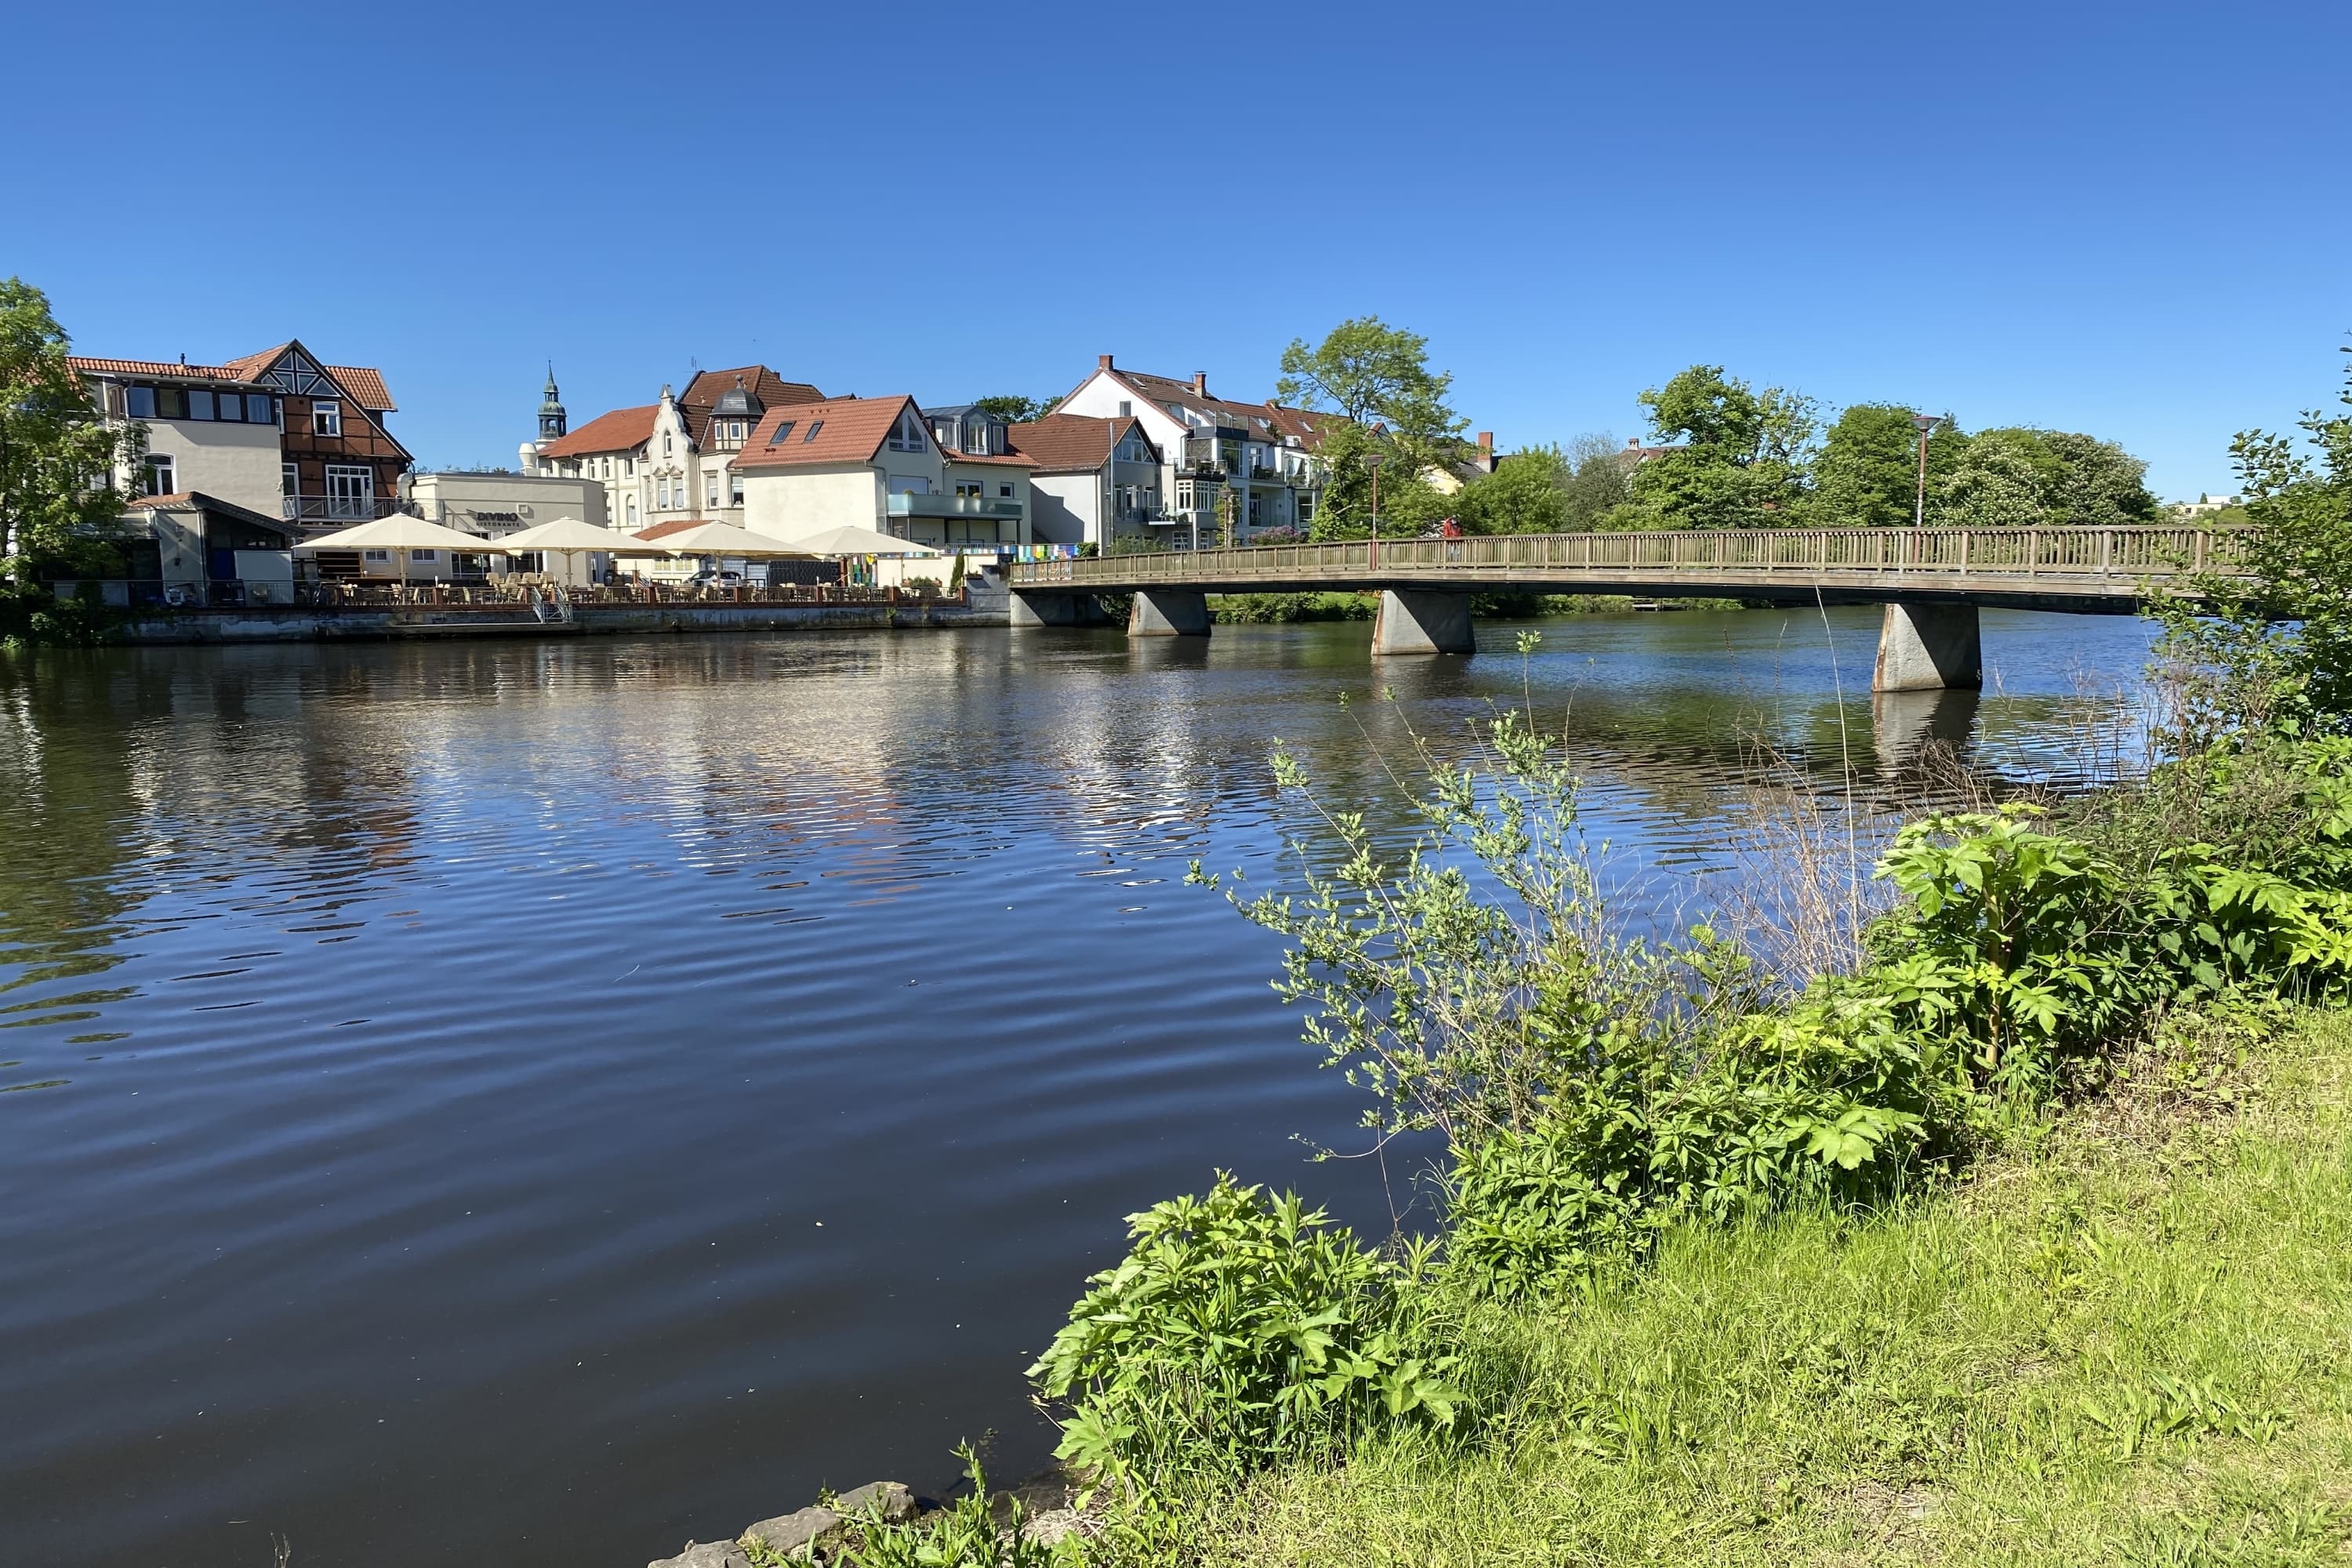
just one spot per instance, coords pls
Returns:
(1928, 646)
(1169, 613)
(1056, 610)
(1414, 622)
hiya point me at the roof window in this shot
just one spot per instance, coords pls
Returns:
(814, 425)
(783, 429)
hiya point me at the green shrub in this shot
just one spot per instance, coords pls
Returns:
(1239, 1328)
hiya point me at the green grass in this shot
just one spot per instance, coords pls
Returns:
(2125, 1343)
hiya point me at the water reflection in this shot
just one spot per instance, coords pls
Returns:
(453, 1049)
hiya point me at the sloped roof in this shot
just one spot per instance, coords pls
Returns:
(702, 394)
(160, 368)
(198, 500)
(621, 430)
(853, 430)
(663, 530)
(364, 383)
(1073, 442)
(1267, 421)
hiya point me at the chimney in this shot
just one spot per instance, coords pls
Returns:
(1486, 442)
(1632, 443)
(1102, 362)
(1200, 384)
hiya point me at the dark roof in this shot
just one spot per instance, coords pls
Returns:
(197, 500)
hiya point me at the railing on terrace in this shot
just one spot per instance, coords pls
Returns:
(1858, 555)
(339, 510)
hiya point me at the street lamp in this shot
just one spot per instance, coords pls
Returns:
(1923, 423)
(1372, 556)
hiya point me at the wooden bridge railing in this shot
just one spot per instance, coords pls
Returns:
(2119, 556)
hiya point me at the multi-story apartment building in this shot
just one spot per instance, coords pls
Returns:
(1259, 458)
(668, 461)
(950, 478)
(278, 433)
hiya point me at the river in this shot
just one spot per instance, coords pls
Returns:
(537, 1104)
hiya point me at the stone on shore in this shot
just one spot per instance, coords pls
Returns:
(896, 1501)
(709, 1555)
(793, 1532)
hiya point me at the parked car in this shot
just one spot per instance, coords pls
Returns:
(712, 577)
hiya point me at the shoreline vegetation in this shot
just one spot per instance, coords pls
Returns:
(1270, 609)
(1978, 1194)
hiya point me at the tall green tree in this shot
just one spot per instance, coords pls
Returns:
(2272, 649)
(2003, 479)
(1738, 457)
(1015, 410)
(58, 507)
(1867, 475)
(1527, 493)
(1378, 377)
(2095, 483)
(1597, 482)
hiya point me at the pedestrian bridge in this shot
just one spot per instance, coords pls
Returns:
(1931, 580)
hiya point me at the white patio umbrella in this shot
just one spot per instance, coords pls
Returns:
(717, 539)
(401, 534)
(850, 540)
(566, 536)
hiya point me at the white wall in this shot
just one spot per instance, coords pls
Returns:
(1065, 509)
(236, 463)
(786, 504)
(453, 499)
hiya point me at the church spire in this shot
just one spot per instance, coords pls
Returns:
(552, 423)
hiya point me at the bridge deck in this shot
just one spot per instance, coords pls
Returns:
(2070, 568)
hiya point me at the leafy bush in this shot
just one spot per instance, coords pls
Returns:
(1239, 1328)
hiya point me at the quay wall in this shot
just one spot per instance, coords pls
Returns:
(295, 624)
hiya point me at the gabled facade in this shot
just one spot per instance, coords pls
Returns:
(877, 463)
(1260, 456)
(277, 432)
(1094, 481)
(672, 461)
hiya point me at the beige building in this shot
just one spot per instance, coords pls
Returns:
(671, 460)
(494, 505)
(951, 481)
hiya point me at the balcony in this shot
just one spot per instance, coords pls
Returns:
(318, 512)
(951, 506)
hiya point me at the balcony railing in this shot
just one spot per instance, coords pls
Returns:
(339, 510)
(951, 506)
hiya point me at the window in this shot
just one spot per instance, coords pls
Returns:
(782, 431)
(158, 475)
(969, 491)
(171, 402)
(661, 495)
(666, 446)
(380, 556)
(710, 490)
(260, 408)
(1125, 408)
(424, 555)
(631, 505)
(908, 436)
(232, 407)
(628, 467)
(289, 478)
(1005, 491)
(814, 425)
(325, 418)
(200, 403)
(734, 488)
(350, 493)
(140, 402)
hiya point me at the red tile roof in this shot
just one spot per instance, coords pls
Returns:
(663, 530)
(1012, 459)
(1072, 443)
(855, 430)
(364, 385)
(621, 430)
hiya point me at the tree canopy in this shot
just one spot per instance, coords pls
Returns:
(1377, 376)
(1735, 458)
(1867, 475)
(58, 502)
(1015, 410)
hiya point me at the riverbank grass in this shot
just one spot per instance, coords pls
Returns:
(2123, 1340)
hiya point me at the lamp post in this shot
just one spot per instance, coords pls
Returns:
(1923, 423)
(1372, 555)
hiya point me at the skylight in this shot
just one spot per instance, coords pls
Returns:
(814, 425)
(782, 431)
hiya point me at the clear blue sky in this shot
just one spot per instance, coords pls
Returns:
(2130, 219)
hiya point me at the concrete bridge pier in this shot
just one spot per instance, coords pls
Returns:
(1035, 609)
(1415, 622)
(1928, 646)
(1169, 613)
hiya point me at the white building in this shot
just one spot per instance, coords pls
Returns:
(1095, 480)
(879, 463)
(1261, 453)
(670, 462)
(495, 505)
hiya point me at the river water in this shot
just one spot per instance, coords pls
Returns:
(538, 1103)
